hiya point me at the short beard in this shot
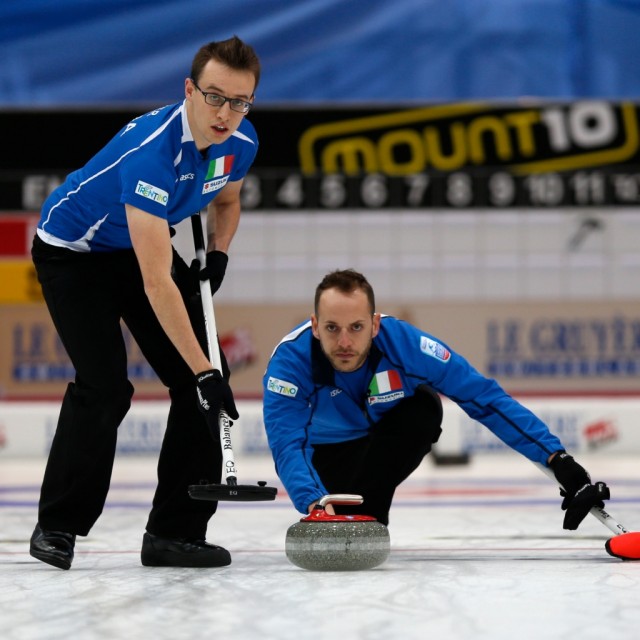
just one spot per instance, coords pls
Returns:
(339, 367)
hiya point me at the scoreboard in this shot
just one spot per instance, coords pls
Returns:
(535, 154)
(264, 189)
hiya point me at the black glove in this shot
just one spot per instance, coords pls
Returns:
(214, 270)
(214, 393)
(578, 492)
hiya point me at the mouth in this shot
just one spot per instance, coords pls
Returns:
(219, 128)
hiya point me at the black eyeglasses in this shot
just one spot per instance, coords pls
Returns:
(216, 100)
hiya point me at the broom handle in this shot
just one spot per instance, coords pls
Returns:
(224, 422)
(597, 512)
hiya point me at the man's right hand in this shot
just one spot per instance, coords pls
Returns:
(328, 508)
(214, 394)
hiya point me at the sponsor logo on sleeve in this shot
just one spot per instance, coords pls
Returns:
(434, 349)
(214, 185)
(147, 190)
(282, 387)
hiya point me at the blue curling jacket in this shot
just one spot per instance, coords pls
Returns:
(307, 402)
(152, 164)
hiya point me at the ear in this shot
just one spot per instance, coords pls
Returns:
(376, 325)
(314, 326)
(188, 88)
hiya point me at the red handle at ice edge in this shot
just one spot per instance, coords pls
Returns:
(626, 546)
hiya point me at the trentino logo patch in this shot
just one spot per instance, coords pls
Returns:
(282, 387)
(434, 349)
(385, 386)
(147, 190)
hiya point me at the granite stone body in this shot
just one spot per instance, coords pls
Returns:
(342, 545)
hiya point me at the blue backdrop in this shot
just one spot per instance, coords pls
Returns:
(102, 52)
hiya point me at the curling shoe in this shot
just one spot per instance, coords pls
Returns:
(53, 547)
(181, 552)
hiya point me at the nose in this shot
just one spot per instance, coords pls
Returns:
(224, 111)
(344, 340)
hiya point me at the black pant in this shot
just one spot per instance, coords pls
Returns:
(374, 466)
(88, 294)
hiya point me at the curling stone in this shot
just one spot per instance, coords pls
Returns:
(325, 542)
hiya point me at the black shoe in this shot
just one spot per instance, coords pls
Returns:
(181, 552)
(53, 547)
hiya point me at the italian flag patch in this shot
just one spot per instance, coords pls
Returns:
(220, 167)
(385, 382)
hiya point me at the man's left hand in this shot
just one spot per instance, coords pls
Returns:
(580, 495)
(214, 270)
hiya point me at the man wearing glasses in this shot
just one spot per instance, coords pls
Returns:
(103, 255)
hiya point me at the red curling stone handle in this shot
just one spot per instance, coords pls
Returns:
(318, 514)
